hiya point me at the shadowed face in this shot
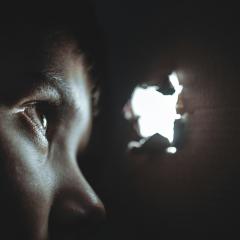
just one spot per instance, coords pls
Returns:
(45, 125)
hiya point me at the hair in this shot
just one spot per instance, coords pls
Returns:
(45, 27)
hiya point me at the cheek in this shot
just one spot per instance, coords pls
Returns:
(27, 180)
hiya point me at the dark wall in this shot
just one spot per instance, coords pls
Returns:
(194, 193)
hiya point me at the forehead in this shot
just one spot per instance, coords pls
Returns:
(32, 47)
(32, 56)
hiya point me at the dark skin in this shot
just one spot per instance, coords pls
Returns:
(45, 127)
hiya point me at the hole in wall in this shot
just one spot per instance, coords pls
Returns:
(157, 111)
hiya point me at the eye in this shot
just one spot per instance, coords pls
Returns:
(36, 115)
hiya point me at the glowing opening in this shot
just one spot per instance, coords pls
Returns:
(156, 112)
(171, 150)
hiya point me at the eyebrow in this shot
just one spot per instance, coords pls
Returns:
(55, 87)
(42, 86)
(57, 81)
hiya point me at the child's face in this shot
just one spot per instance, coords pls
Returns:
(45, 125)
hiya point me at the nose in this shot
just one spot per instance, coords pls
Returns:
(76, 211)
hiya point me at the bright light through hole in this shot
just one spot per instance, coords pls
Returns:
(156, 112)
(171, 150)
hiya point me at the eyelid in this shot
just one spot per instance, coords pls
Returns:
(24, 106)
(42, 94)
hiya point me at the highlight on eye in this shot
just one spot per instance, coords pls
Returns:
(35, 114)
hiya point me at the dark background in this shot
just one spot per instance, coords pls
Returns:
(195, 193)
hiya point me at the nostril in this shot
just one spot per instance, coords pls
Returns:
(69, 220)
(91, 221)
(96, 212)
(91, 216)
